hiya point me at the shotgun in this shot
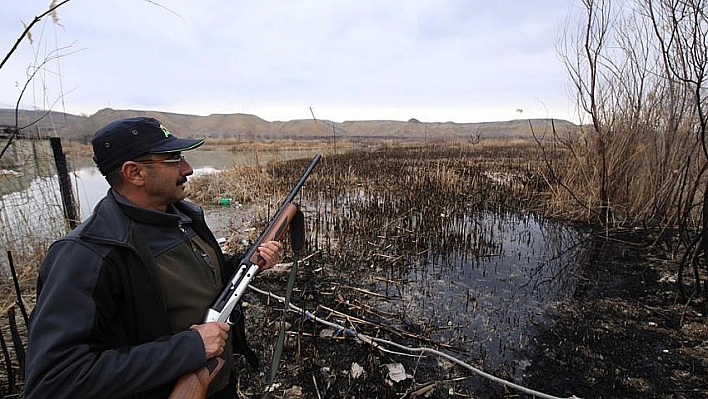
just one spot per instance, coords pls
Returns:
(194, 385)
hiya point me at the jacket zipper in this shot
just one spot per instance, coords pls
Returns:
(198, 253)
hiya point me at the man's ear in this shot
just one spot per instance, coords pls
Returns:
(133, 173)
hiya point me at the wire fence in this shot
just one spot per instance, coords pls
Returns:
(32, 215)
(31, 210)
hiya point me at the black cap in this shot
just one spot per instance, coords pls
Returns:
(125, 139)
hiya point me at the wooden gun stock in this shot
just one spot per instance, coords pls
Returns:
(195, 385)
(276, 231)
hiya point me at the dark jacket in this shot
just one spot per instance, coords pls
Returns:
(100, 312)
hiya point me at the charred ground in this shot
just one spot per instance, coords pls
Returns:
(624, 332)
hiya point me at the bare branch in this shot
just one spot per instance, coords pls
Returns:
(26, 32)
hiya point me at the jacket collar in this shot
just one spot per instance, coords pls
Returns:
(106, 223)
(111, 218)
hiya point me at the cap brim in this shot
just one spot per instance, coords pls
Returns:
(177, 145)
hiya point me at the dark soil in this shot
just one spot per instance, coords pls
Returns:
(624, 334)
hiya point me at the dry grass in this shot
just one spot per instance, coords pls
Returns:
(242, 184)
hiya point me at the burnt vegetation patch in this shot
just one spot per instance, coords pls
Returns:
(390, 227)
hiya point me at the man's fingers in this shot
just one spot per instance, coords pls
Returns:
(214, 336)
(270, 251)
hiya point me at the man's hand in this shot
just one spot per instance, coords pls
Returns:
(214, 335)
(270, 251)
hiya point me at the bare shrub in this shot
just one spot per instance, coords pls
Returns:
(639, 69)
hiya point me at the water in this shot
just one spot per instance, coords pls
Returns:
(489, 303)
(31, 216)
(90, 186)
(31, 211)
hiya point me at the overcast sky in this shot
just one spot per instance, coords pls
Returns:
(433, 60)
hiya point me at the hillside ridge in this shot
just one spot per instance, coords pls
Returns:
(247, 127)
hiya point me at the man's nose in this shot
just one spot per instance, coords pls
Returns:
(186, 168)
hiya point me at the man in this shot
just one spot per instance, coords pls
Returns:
(122, 298)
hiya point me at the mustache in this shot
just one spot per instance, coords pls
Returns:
(181, 180)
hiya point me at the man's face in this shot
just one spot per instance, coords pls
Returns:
(165, 177)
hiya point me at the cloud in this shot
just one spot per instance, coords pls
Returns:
(360, 59)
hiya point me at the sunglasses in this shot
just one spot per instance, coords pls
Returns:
(169, 161)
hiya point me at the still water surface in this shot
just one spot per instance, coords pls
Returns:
(490, 305)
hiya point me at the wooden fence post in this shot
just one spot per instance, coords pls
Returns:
(18, 291)
(8, 365)
(17, 340)
(67, 194)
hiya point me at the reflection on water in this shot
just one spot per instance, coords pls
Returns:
(23, 161)
(29, 216)
(489, 303)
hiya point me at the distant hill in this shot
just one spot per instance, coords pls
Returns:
(38, 123)
(252, 128)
